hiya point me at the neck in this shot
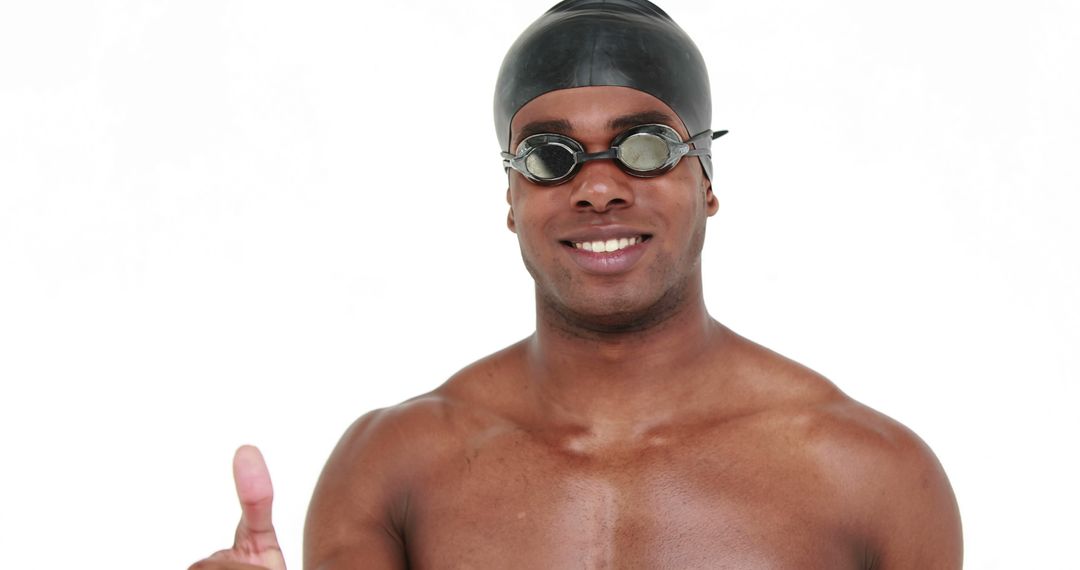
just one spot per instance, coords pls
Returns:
(638, 375)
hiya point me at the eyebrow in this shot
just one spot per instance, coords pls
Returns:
(643, 118)
(563, 127)
(560, 126)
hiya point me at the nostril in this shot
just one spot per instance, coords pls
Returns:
(615, 203)
(602, 205)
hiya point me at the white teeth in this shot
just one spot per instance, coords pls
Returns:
(609, 245)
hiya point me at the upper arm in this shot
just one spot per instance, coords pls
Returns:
(357, 509)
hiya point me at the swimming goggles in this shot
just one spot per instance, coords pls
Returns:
(644, 151)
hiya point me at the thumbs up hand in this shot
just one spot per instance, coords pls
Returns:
(256, 546)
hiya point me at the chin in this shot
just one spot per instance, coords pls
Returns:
(583, 306)
(610, 313)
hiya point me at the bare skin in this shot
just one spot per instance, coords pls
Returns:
(631, 430)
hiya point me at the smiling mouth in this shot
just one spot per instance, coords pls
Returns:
(608, 246)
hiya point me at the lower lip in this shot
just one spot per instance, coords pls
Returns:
(607, 263)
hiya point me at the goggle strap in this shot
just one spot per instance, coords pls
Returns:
(702, 136)
(706, 135)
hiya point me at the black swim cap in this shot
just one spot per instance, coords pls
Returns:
(628, 43)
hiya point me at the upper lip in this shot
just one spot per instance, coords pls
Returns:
(603, 233)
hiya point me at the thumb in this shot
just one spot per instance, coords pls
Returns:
(254, 490)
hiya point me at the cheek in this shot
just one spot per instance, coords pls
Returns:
(693, 197)
(531, 212)
(679, 207)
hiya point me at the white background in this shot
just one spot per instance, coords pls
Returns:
(230, 222)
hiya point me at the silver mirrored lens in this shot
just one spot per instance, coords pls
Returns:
(644, 152)
(550, 161)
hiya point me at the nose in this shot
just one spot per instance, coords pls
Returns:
(601, 186)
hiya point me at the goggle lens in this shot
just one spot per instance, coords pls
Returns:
(550, 161)
(644, 152)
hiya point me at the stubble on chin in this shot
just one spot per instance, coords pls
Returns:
(611, 315)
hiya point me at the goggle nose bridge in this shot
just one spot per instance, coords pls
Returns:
(581, 157)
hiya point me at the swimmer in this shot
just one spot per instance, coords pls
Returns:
(632, 429)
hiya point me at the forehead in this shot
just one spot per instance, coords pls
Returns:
(597, 111)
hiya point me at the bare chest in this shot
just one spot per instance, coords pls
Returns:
(513, 500)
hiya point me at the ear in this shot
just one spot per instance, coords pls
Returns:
(510, 215)
(711, 204)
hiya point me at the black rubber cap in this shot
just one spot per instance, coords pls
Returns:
(628, 43)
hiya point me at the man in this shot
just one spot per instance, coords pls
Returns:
(631, 430)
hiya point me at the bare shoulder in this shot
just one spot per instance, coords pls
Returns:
(894, 486)
(429, 423)
(397, 441)
(886, 480)
(362, 500)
